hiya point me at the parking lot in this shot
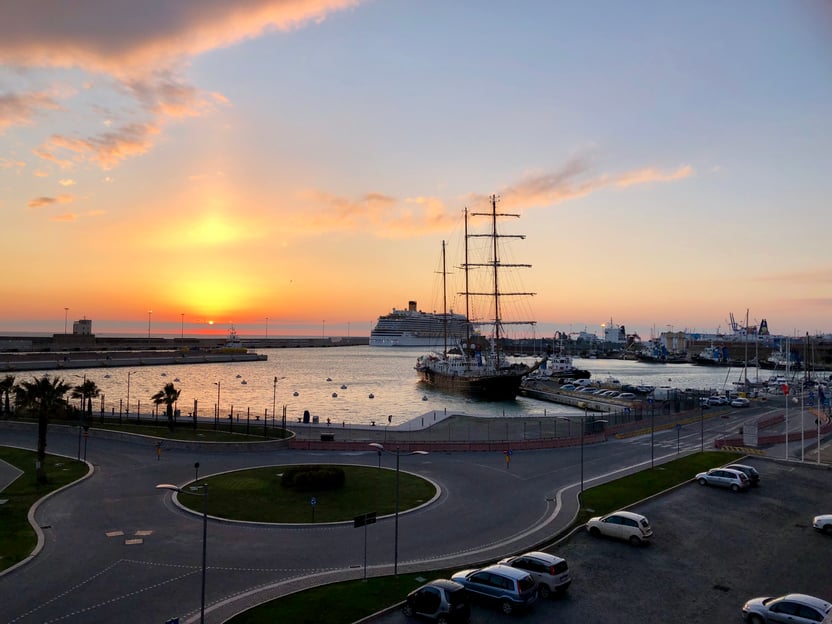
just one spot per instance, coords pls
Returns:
(712, 550)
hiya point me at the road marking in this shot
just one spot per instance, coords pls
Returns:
(114, 533)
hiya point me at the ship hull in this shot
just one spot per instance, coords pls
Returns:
(494, 387)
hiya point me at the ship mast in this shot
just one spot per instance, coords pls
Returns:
(444, 301)
(495, 265)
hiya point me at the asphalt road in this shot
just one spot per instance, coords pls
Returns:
(117, 549)
(712, 551)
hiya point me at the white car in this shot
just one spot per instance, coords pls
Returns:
(793, 608)
(625, 525)
(823, 523)
(550, 572)
(724, 477)
(740, 402)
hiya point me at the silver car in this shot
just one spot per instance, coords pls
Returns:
(551, 573)
(793, 608)
(724, 477)
(509, 587)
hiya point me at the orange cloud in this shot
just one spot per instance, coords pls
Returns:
(64, 217)
(40, 202)
(107, 149)
(651, 175)
(127, 38)
(19, 109)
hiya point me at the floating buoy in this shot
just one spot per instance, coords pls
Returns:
(164, 374)
(238, 376)
(424, 397)
(372, 396)
(343, 386)
(329, 378)
(244, 382)
(334, 395)
(295, 393)
(106, 376)
(176, 379)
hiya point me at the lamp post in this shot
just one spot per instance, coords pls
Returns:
(149, 314)
(66, 315)
(204, 495)
(127, 411)
(267, 328)
(216, 420)
(381, 448)
(274, 402)
(583, 426)
(182, 326)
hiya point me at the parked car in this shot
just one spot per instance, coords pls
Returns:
(724, 477)
(568, 387)
(550, 572)
(740, 402)
(625, 525)
(823, 523)
(794, 608)
(717, 400)
(441, 600)
(749, 471)
(704, 402)
(627, 396)
(509, 587)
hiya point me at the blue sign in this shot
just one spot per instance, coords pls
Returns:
(314, 501)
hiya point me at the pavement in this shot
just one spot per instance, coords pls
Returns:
(117, 549)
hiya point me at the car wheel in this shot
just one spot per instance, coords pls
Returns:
(756, 619)
(407, 609)
(507, 607)
(635, 541)
(827, 529)
(735, 487)
(543, 591)
(703, 482)
(442, 620)
(594, 531)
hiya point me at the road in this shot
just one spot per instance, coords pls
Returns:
(117, 549)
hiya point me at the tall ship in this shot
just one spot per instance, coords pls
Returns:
(475, 366)
(414, 328)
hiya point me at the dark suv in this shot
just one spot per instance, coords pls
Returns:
(440, 600)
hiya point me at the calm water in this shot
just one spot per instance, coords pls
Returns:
(387, 374)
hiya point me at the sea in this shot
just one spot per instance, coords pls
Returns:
(358, 385)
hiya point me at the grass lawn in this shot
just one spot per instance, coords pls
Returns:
(347, 602)
(17, 538)
(256, 495)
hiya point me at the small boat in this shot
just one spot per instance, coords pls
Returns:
(343, 386)
(244, 382)
(238, 375)
(295, 393)
(329, 378)
(334, 395)
(372, 396)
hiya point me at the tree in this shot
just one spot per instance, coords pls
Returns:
(44, 396)
(86, 391)
(168, 395)
(6, 389)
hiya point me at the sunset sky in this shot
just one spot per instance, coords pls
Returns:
(183, 163)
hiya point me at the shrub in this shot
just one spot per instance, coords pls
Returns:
(313, 478)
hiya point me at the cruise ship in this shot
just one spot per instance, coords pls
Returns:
(414, 328)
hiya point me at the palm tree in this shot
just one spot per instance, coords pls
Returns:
(167, 395)
(6, 388)
(43, 396)
(86, 391)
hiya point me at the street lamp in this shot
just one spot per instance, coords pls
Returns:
(204, 495)
(182, 326)
(267, 328)
(217, 418)
(381, 448)
(583, 426)
(66, 314)
(127, 411)
(149, 314)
